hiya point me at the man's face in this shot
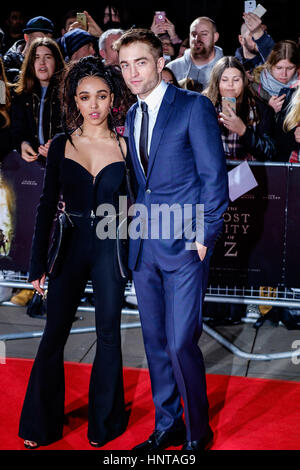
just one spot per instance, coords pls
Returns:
(15, 22)
(84, 51)
(68, 24)
(109, 54)
(202, 38)
(141, 70)
(29, 38)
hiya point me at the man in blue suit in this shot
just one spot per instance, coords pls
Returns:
(178, 159)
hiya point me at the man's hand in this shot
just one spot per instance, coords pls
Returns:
(254, 24)
(201, 250)
(27, 152)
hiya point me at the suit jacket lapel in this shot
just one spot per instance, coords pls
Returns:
(162, 119)
(135, 159)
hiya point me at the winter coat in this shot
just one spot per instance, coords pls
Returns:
(25, 116)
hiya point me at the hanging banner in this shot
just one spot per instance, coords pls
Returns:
(21, 186)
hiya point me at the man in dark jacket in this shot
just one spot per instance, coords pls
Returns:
(35, 28)
(256, 44)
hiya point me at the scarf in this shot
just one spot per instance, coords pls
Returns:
(273, 86)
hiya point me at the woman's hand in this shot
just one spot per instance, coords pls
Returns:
(38, 284)
(170, 28)
(27, 152)
(157, 28)
(297, 134)
(43, 149)
(276, 102)
(232, 122)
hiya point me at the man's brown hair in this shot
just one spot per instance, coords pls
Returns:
(145, 36)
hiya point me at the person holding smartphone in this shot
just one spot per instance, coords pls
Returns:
(256, 43)
(279, 74)
(247, 131)
(165, 29)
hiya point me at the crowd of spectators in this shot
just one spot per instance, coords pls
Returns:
(261, 78)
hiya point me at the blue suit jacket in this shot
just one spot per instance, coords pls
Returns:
(186, 166)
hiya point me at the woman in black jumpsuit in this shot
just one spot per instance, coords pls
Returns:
(86, 257)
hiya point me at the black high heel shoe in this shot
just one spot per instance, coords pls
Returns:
(32, 447)
(95, 444)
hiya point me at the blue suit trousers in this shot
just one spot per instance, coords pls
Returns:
(170, 306)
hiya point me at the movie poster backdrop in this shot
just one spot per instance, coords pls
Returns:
(21, 186)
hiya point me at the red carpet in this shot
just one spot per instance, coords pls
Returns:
(246, 413)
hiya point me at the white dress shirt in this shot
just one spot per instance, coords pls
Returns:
(153, 102)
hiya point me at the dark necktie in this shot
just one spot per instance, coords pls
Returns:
(144, 137)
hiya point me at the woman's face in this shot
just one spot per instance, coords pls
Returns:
(283, 71)
(44, 65)
(231, 83)
(167, 77)
(94, 100)
(168, 48)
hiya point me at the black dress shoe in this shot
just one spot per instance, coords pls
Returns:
(201, 444)
(160, 440)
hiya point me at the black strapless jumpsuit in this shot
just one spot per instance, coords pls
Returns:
(87, 258)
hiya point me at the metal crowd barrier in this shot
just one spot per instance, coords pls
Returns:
(233, 295)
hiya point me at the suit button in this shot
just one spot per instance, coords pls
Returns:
(148, 191)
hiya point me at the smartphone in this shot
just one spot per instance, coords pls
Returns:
(160, 16)
(249, 6)
(81, 18)
(228, 101)
(259, 10)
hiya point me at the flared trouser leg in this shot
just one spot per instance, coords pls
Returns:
(42, 414)
(106, 393)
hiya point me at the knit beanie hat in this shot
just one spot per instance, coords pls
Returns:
(74, 40)
(39, 23)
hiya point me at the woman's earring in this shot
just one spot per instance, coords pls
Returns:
(78, 116)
